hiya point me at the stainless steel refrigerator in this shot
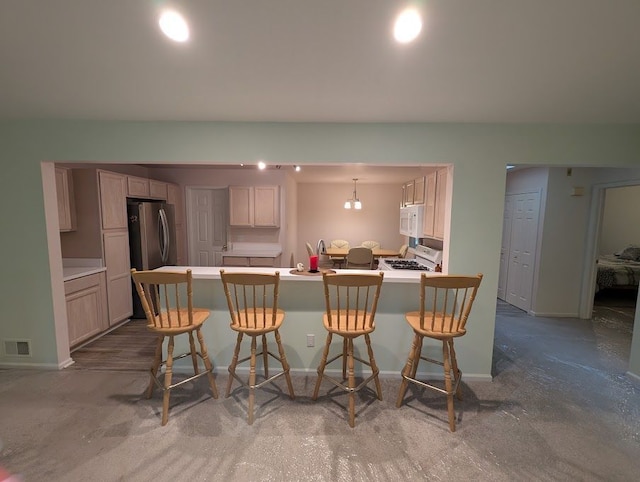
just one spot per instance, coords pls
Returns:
(152, 239)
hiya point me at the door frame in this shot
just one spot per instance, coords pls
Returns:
(596, 215)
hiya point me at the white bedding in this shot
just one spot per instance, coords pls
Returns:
(614, 272)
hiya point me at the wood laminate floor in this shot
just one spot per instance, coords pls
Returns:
(129, 347)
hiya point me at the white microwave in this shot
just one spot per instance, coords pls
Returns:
(411, 221)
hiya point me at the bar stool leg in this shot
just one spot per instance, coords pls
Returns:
(323, 363)
(252, 379)
(285, 364)
(416, 358)
(194, 355)
(456, 371)
(234, 363)
(207, 363)
(407, 370)
(374, 367)
(265, 356)
(448, 386)
(352, 384)
(167, 382)
(157, 360)
(345, 349)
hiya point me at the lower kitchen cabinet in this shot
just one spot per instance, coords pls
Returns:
(86, 300)
(118, 264)
(250, 261)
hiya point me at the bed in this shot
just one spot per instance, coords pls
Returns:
(620, 270)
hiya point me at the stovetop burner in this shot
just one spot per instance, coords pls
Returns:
(407, 264)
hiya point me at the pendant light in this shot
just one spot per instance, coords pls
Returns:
(354, 201)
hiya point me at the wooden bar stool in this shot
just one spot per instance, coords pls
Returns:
(351, 302)
(253, 307)
(168, 317)
(445, 304)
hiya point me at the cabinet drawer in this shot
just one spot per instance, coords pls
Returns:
(79, 284)
(268, 262)
(235, 261)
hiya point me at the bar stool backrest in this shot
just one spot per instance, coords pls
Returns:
(252, 298)
(166, 297)
(351, 301)
(446, 301)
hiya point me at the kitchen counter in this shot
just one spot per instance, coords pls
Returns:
(73, 268)
(302, 299)
(253, 250)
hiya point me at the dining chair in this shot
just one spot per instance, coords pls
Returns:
(359, 258)
(338, 261)
(162, 295)
(445, 304)
(350, 307)
(403, 251)
(253, 307)
(370, 244)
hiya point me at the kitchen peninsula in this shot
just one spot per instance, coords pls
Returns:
(302, 299)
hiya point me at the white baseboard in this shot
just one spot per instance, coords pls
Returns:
(634, 376)
(31, 366)
(542, 314)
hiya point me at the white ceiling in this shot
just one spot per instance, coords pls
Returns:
(322, 60)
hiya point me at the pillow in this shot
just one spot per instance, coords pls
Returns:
(631, 253)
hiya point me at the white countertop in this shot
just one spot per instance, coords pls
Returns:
(253, 250)
(73, 268)
(213, 272)
(78, 272)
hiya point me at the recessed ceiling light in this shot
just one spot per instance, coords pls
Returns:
(174, 26)
(297, 168)
(407, 26)
(261, 165)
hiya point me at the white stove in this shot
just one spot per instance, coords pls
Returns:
(425, 259)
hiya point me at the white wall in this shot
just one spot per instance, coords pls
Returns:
(621, 219)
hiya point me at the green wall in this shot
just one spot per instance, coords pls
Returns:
(478, 152)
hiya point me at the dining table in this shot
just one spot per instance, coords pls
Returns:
(377, 252)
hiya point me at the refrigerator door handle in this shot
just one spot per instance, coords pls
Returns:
(164, 235)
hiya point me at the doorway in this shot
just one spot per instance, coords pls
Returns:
(207, 224)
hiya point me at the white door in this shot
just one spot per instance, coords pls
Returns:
(504, 249)
(522, 249)
(207, 225)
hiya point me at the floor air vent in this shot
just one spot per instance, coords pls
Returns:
(17, 347)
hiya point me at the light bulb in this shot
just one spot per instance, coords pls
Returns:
(174, 26)
(347, 205)
(407, 26)
(358, 204)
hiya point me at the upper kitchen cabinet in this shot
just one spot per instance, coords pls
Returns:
(418, 190)
(66, 202)
(138, 187)
(113, 200)
(435, 203)
(158, 189)
(254, 206)
(413, 192)
(174, 196)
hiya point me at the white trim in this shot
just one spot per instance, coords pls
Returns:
(554, 315)
(633, 376)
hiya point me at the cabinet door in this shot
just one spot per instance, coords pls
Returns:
(267, 206)
(158, 189)
(113, 200)
(64, 193)
(418, 190)
(430, 204)
(263, 262)
(174, 196)
(86, 300)
(137, 186)
(441, 203)
(408, 193)
(118, 264)
(240, 206)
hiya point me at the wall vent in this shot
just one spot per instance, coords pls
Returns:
(17, 347)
